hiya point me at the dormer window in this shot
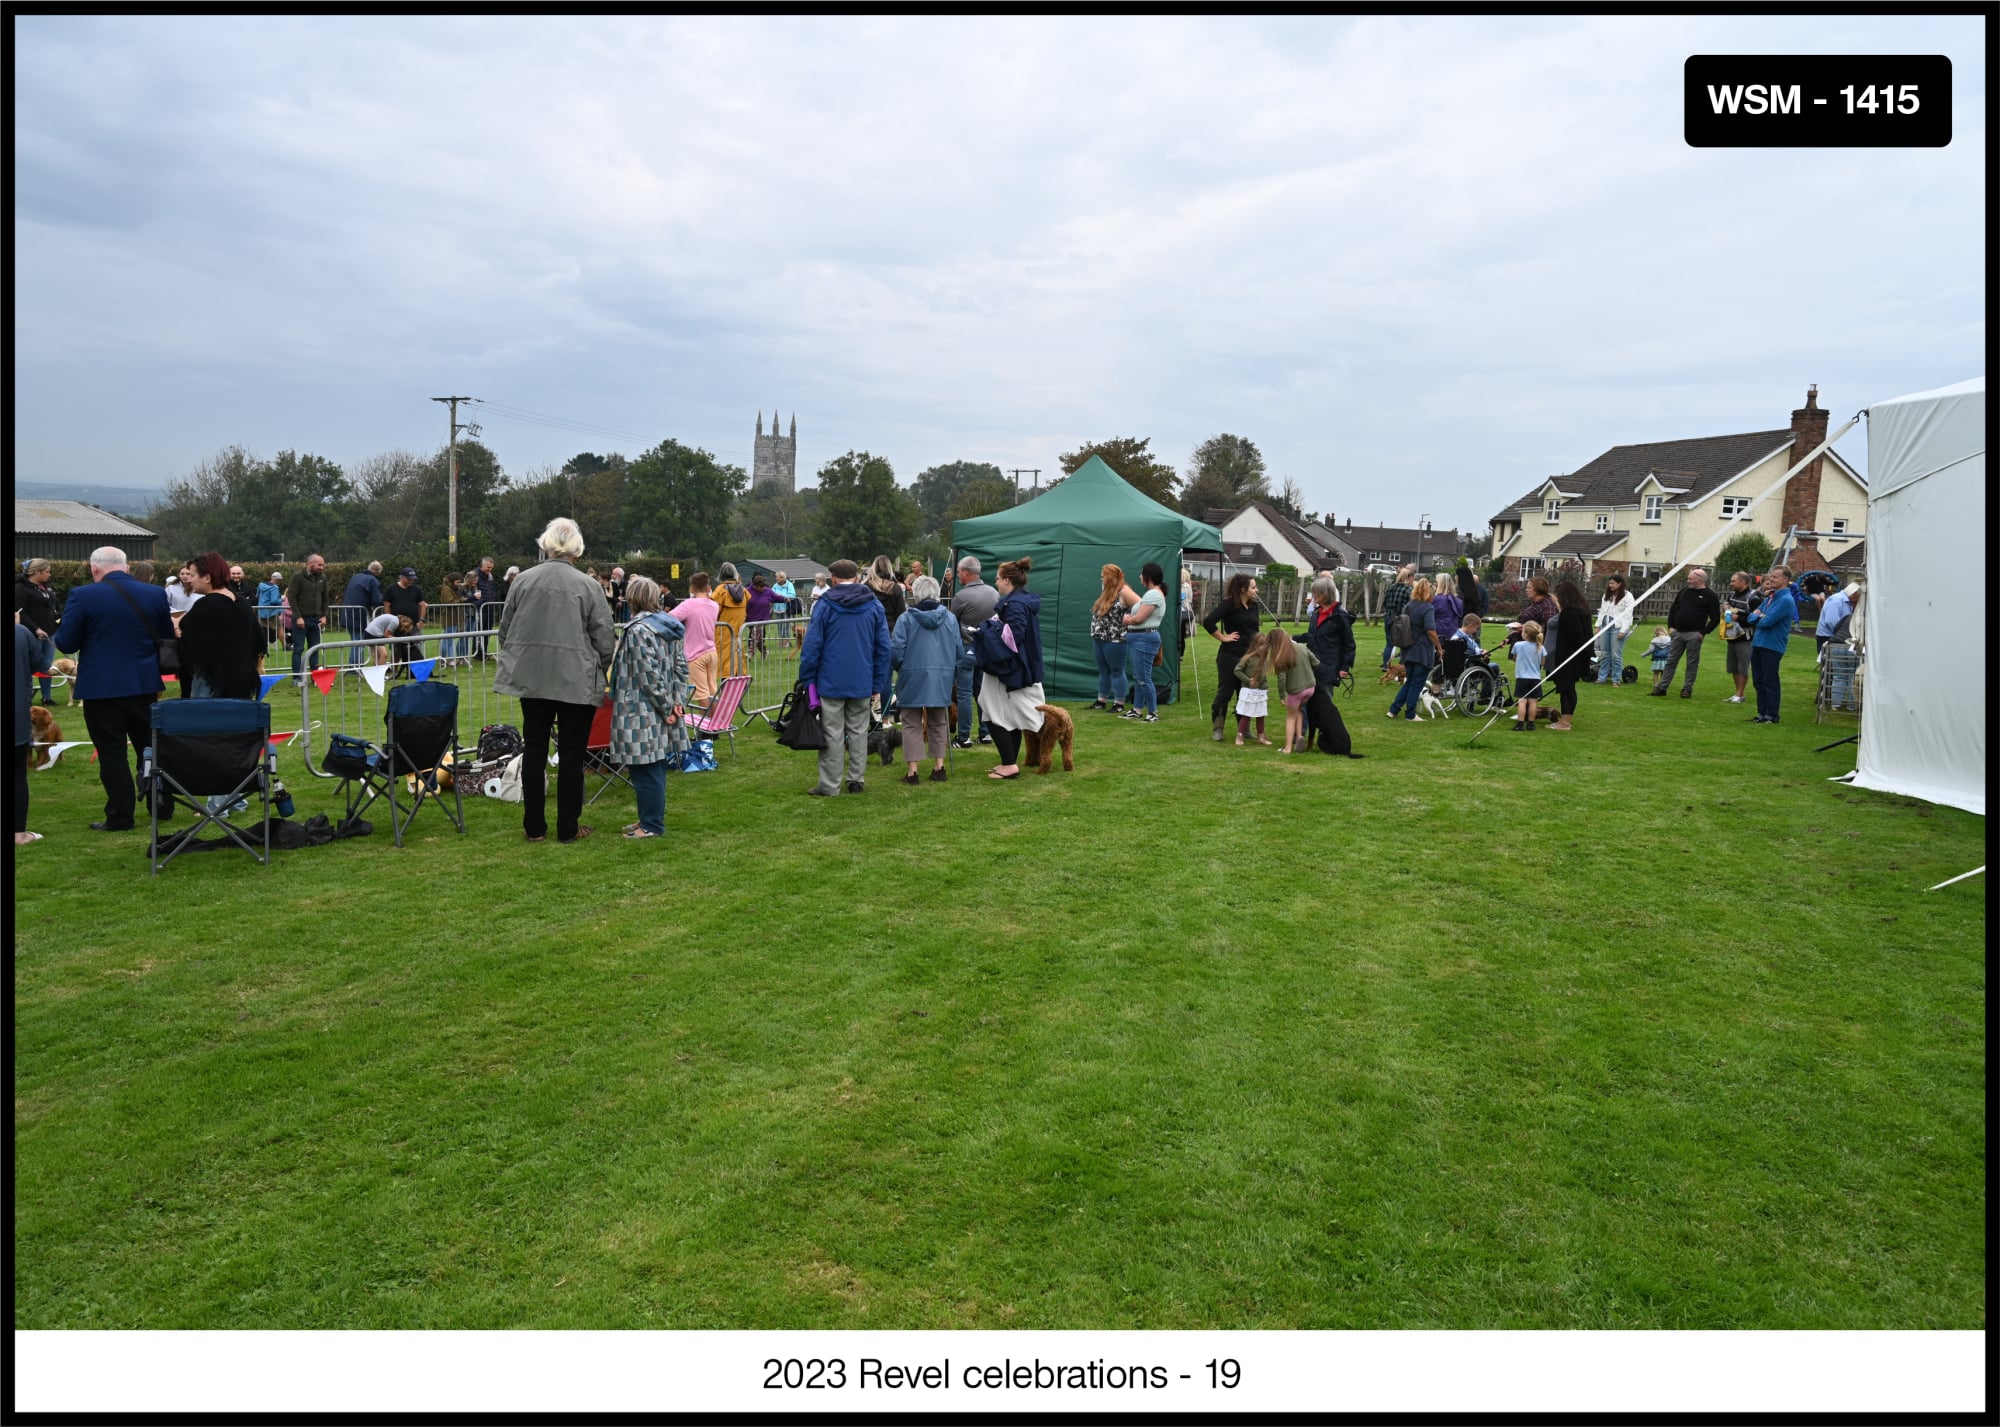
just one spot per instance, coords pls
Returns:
(1603, 525)
(1552, 510)
(1654, 504)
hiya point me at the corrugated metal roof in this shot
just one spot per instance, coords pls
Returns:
(69, 517)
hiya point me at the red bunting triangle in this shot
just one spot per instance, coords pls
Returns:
(323, 679)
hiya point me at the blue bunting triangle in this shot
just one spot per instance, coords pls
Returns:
(420, 669)
(268, 681)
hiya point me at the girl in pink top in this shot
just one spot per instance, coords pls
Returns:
(697, 614)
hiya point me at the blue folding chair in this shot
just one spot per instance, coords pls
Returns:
(205, 748)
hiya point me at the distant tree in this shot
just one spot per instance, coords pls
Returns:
(1289, 499)
(1228, 471)
(597, 498)
(1128, 456)
(978, 498)
(862, 513)
(251, 508)
(936, 488)
(680, 498)
(771, 520)
(524, 509)
(1748, 551)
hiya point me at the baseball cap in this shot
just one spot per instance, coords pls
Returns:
(410, 571)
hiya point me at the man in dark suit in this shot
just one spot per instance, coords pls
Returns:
(112, 625)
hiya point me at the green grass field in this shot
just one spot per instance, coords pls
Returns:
(1645, 1026)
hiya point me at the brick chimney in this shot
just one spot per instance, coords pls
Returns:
(1801, 498)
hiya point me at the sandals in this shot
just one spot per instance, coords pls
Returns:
(635, 832)
(583, 831)
(997, 776)
(1263, 740)
(1239, 740)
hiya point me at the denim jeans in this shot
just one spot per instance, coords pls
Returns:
(1110, 669)
(357, 628)
(1142, 645)
(961, 688)
(649, 786)
(305, 635)
(1410, 696)
(45, 656)
(1611, 654)
(1764, 675)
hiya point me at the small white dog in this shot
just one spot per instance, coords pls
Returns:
(1432, 705)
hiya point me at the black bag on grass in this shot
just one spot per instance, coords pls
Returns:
(799, 723)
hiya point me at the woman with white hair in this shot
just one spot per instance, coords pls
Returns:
(556, 643)
(925, 650)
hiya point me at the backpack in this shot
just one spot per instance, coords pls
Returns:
(499, 741)
(1401, 634)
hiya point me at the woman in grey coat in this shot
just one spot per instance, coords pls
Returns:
(925, 647)
(555, 651)
(650, 691)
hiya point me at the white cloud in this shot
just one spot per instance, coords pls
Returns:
(1444, 253)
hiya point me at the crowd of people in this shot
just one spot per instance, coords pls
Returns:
(958, 663)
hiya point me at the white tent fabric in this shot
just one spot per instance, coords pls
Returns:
(1923, 719)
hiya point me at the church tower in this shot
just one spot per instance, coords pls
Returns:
(776, 458)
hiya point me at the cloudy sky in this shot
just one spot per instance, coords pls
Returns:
(1422, 262)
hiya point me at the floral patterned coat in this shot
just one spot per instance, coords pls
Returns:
(649, 675)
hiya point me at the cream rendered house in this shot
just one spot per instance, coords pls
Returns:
(1642, 509)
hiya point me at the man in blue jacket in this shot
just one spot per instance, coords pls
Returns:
(360, 602)
(1770, 630)
(112, 625)
(846, 658)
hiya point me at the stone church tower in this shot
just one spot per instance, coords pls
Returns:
(776, 458)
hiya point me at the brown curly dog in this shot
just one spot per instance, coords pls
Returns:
(1040, 748)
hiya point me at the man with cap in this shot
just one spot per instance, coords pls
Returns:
(405, 599)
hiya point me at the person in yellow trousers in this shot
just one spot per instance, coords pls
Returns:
(732, 607)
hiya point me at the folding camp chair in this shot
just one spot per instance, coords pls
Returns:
(597, 754)
(422, 737)
(205, 748)
(718, 715)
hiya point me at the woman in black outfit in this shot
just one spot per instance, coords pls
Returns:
(1572, 633)
(1237, 614)
(219, 639)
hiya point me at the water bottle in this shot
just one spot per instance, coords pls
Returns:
(281, 798)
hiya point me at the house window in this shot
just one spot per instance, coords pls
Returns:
(1734, 505)
(1530, 564)
(1603, 525)
(1636, 575)
(1374, 554)
(1840, 529)
(1552, 511)
(1395, 555)
(1653, 505)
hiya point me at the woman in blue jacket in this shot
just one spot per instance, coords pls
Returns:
(1770, 627)
(1010, 684)
(925, 649)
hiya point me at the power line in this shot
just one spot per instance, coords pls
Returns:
(541, 418)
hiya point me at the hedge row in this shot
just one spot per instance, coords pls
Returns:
(68, 574)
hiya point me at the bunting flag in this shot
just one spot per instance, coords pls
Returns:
(277, 738)
(377, 676)
(269, 680)
(57, 750)
(421, 669)
(323, 679)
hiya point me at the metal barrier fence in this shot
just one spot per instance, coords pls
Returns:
(452, 619)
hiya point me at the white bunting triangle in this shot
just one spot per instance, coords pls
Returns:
(377, 676)
(57, 750)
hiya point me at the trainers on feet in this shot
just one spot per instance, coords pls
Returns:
(1152, 718)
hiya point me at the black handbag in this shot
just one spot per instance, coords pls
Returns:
(168, 650)
(799, 723)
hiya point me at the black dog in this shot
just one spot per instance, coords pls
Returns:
(885, 742)
(1325, 726)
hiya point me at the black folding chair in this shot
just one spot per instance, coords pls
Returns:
(422, 738)
(205, 748)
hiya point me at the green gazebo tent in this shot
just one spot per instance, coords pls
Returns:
(1091, 520)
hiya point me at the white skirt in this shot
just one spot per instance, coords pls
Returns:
(1017, 709)
(1253, 703)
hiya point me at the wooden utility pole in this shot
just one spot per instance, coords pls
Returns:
(451, 498)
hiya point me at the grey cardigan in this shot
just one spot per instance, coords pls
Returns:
(555, 636)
